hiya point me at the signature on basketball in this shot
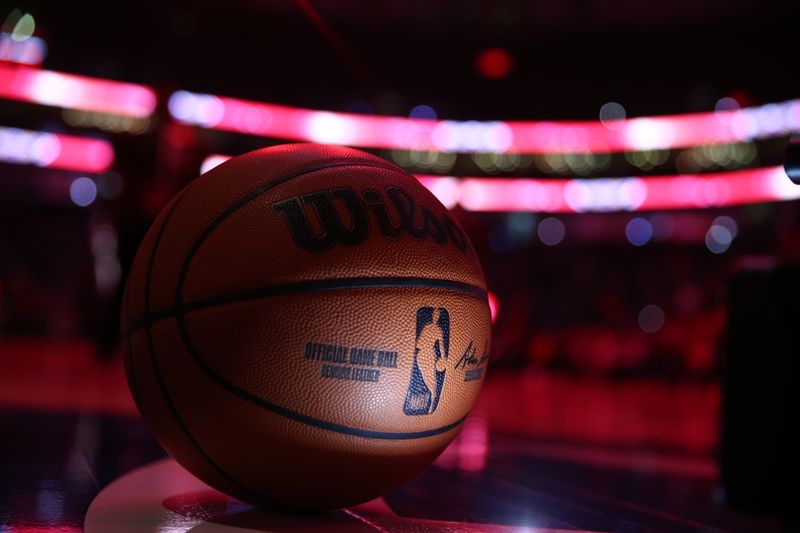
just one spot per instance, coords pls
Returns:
(398, 216)
(472, 364)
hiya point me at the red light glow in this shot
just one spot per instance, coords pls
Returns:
(55, 150)
(628, 194)
(69, 91)
(494, 63)
(494, 306)
(375, 131)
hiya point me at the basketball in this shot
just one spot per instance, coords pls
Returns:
(305, 327)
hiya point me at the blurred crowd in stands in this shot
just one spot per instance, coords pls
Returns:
(611, 311)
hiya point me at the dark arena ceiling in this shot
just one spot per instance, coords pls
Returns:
(569, 56)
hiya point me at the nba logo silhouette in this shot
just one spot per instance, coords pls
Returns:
(431, 349)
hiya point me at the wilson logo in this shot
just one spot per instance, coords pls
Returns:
(398, 216)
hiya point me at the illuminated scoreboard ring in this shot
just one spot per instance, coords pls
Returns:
(401, 133)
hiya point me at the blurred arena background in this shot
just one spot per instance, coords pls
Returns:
(613, 162)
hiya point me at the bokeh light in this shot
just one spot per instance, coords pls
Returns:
(647, 159)
(212, 161)
(726, 103)
(445, 188)
(31, 51)
(605, 194)
(708, 156)
(494, 63)
(651, 318)
(106, 121)
(551, 231)
(423, 111)
(639, 231)
(24, 28)
(649, 133)
(493, 163)
(334, 128)
(83, 191)
(46, 87)
(200, 109)
(611, 115)
(728, 223)
(718, 239)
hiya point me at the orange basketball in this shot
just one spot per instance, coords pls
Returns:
(305, 327)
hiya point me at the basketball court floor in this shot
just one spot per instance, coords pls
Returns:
(538, 453)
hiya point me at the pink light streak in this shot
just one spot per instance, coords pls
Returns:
(55, 150)
(701, 191)
(545, 195)
(375, 131)
(46, 87)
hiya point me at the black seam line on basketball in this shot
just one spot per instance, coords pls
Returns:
(157, 370)
(241, 392)
(309, 286)
(232, 209)
(152, 259)
(244, 201)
